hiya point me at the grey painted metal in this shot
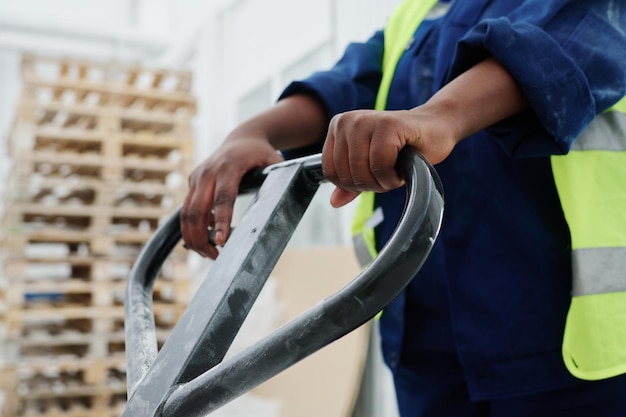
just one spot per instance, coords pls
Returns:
(187, 377)
(206, 329)
(139, 326)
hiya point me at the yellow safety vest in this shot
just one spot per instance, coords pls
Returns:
(590, 183)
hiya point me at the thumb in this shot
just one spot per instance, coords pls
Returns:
(341, 197)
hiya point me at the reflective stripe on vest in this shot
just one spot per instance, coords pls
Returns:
(399, 30)
(590, 183)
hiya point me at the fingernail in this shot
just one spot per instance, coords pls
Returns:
(219, 237)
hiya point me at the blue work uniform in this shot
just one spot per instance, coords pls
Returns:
(490, 302)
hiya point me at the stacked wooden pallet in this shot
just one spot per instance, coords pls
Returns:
(101, 153)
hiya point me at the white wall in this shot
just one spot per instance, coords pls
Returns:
(113, 13)
(248, 43)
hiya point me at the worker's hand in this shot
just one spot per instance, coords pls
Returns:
(213, 188)
(362, 147)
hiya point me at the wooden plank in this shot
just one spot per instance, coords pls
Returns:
(127, 68)
(86, 141)
(94, 166)
(87, 210)
(72, 411)
(61, 269)
(73, 313)
(65, 68)
(76, 293)
(81, 116)
(68, 335)
(44, 164)
(127, 95)
(72, 243)
(60, 139)
(159, 79)
(77, 331)
(88, 404)
(90, 190)
(37, 274)
(75, 391)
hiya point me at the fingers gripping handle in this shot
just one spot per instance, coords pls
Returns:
(199, 393)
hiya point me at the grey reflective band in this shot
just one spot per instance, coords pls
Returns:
(607, 132)
(360, 249)
(598, 271)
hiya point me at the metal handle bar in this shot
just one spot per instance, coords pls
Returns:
(188, 377)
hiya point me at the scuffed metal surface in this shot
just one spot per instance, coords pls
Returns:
(188, 377)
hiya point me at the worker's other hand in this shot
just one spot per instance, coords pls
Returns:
(362, 147)
(213, 188)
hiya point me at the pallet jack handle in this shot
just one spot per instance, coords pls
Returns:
(189, 375)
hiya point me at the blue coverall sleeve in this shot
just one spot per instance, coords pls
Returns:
(569, 58)
(351, 83)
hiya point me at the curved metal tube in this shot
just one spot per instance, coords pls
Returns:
(139, 327)
(375, 287)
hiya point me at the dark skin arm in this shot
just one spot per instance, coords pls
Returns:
(478, 98)
(213, 185)
(360, 150)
